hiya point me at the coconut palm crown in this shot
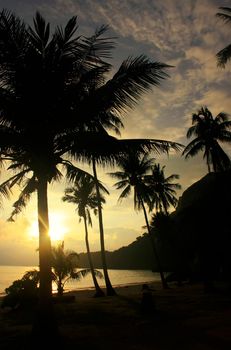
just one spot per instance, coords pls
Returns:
(209, 132)
(163, 189)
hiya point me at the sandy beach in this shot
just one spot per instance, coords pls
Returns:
(181, 318)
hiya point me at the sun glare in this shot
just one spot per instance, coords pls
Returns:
(57, 229)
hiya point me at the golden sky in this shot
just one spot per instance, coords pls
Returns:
(182, 33)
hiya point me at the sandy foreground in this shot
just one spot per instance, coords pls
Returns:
(180, 318)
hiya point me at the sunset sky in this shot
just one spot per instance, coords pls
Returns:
(182, 33)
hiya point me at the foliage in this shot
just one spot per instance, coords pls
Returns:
(163, 190)
(224, 55)
(133, 170)
(64, 267)
(208, 132)
(83, 195)
(57, 105)
(23, 292)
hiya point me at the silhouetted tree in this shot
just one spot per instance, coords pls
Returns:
(64, 267)
(53, 100)
(224, 55)
(164, 191)
(208, 132)
(134, 169)
(83, 195)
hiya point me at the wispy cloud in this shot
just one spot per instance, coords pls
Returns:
(184, 34)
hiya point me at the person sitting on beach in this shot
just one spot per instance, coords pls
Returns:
(147, 301)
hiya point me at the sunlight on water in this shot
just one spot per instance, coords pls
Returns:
(8, 274)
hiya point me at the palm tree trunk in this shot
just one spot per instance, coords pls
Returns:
(110, 289)
(98, 290)
(45, 289)
(164, 283)
(44, 325)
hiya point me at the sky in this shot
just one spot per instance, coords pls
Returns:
(182, 33)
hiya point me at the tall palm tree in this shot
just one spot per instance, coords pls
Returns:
(83, 195)
(134, 168)
(112, 155)
(208, 132)
(109, 287)
(54, 98)
(164, 191)
(224, 55)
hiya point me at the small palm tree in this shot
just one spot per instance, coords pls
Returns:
(209, 131)
(83, 195)
(64, 267)
(224, 55)
(164, 191)
(134, 169)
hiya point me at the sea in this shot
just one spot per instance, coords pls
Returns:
(8, 274)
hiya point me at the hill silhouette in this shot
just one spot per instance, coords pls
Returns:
(137, 255)
(198, 238)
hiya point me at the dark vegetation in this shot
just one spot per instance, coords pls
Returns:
(64, 76)
(193, 240)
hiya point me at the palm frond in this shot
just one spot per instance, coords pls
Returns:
(118, 175)
(226, 17)
(121, 184)
(6, 186)
(193, 148)
(75, 174)
(223, 56)
(223, 117)
(96, 46)
(24, 197)
(126, 192)
(134, 77)
(79, 274)
(41, 33)
(69, 30)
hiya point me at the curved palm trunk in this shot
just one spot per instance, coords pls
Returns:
(110, 289)
(98, 290)
(44, 325)
(164, 283)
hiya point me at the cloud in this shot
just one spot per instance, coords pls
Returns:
(185, 34)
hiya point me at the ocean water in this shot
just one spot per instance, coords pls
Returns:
(8, 274)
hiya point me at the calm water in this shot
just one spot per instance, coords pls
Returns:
(8, 274)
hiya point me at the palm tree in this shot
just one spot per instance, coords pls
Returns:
(112, 155)
(224, 55)
(164, 191)
(45, 77)
(64, 267)
(208, 132)
(83, 195)
(134, 168)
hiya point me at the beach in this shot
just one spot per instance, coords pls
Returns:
(180, 318)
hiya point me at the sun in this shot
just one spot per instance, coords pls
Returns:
(57, 227)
